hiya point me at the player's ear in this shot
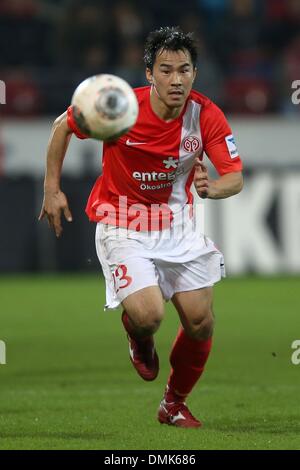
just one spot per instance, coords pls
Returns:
(149, 75)
(195, 73)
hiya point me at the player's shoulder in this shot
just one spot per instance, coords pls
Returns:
(208, 107)
(142, 93)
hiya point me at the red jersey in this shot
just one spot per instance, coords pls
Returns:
(153, 164)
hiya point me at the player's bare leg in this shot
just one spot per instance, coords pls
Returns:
(195, 311)
(188, 356)
(143, 312)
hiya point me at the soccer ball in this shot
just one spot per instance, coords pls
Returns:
(104, 107)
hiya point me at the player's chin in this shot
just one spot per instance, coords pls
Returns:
(175, 101)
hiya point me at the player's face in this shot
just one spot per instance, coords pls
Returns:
(172, 77)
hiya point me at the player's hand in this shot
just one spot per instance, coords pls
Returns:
(54, 203)
(201, 181)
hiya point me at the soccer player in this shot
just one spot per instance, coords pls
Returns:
(145, 237)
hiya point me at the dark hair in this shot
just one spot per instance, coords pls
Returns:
(170, 39)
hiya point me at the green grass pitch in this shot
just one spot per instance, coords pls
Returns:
(68, 382)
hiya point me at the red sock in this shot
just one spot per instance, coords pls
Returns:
(188, 358)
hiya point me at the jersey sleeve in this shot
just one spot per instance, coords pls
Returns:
(218, 141)
(72, 124)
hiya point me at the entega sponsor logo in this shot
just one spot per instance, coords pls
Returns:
(154, 176)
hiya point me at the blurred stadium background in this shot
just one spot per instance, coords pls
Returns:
(60, 385)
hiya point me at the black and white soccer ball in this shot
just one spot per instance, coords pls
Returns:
(104, 107)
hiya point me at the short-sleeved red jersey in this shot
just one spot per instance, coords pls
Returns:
(153, 164)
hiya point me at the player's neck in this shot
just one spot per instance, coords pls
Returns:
(161, 110)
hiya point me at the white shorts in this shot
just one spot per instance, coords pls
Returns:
(175, 262)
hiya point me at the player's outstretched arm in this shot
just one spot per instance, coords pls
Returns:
(55, 201)
(225, 186)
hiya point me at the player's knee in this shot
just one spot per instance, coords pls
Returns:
(149, 321)
(202, 328)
